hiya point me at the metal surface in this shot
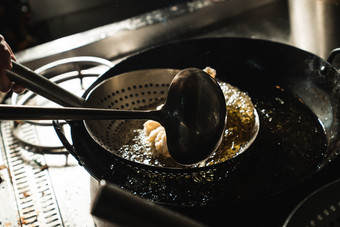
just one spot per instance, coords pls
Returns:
(120, 207)
(320, 208)
(315, 25)
(41, 189)
(36, 202)
(80, 16)
(195, 116)
(8, 216)
(125, 37)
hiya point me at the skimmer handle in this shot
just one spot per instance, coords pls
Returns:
(43, 86)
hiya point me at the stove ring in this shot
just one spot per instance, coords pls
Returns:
(64, 70)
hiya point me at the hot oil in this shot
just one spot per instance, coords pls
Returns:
(289, 133)
(239, 129)
(291, 139)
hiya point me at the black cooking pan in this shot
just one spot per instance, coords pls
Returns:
(295, 93)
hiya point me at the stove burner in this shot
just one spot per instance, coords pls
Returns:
(74, 74)
(34, 185)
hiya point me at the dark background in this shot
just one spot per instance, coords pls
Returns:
(26, 23)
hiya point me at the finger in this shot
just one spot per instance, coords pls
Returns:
(5, 83)
(5, 55)
(11, 54)
(19, 89)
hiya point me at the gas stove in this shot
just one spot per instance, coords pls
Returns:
(41, 179)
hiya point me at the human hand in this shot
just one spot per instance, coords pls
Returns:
(6, 57)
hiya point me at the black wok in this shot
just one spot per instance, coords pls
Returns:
(297, 97)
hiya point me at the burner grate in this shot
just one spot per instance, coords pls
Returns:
(35, 198)
(43, 195)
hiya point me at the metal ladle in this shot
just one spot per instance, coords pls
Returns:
(193, 115)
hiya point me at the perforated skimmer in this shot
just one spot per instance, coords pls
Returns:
(126, 91)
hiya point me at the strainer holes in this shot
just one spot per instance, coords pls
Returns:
(117, 92)
(162, 92)
(121, 99)
(115, 131)
(151, 84)
(126, 97)
(122, 106)
(115, 125)
(116, 101)
(136, 94)
(154, 92)
(131, 95)
(157, 85)
(134, 86)
(110, 124)
(107, 137)
(113, 94)
(140, 86)
(149, 92)
(146, 85)
(142, 93)
(127, 104)
(143, 101)
(129, 88)
(123, 90)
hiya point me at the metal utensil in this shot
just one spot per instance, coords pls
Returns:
(315, 25)
(193, 115)
(121, 207)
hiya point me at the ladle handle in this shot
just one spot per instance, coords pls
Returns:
(43, 86)
(119, 206)
(9, 112)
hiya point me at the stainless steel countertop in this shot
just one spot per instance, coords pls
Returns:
(247, 18)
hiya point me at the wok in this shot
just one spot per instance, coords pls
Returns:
(295, 93)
